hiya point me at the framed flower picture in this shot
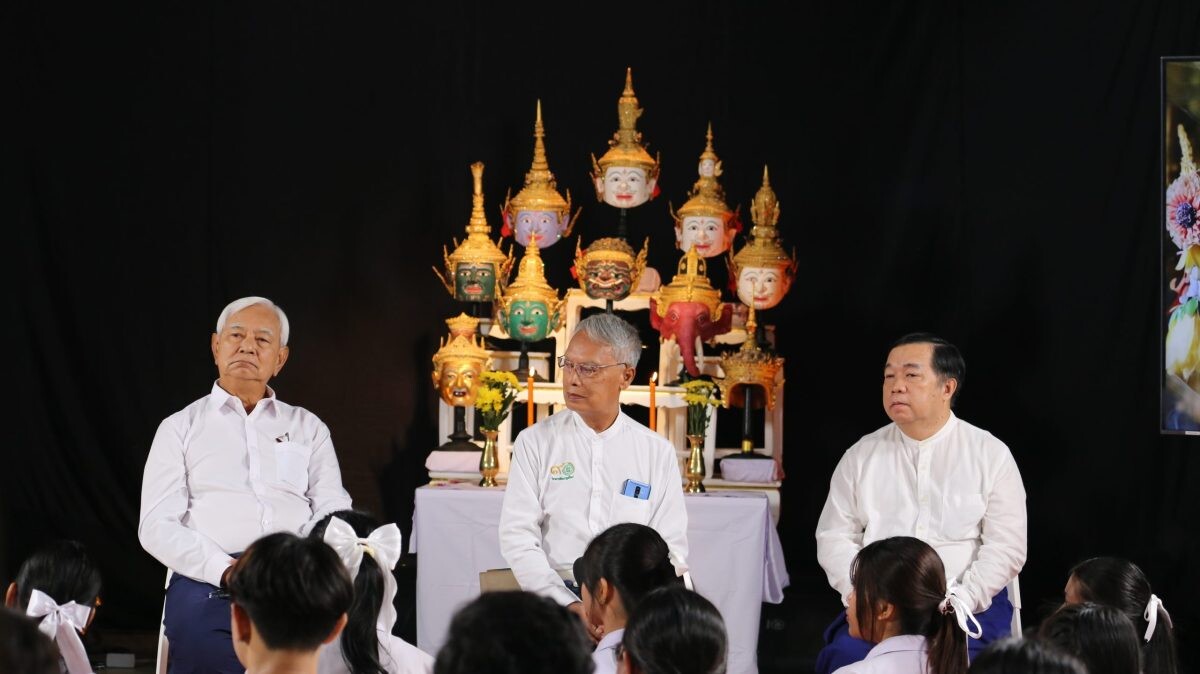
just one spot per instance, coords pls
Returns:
(1180, 254)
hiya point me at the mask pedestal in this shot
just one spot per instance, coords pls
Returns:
(459, 440)
(747, 428)
(523, 371)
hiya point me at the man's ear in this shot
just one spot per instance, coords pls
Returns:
(337, 629)
(949, 386)
(281, 359)
(10, 596)
(627, 377)
(239, 622)
(215, 340)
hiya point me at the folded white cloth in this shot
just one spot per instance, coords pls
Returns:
(441, 461)
(748, 470)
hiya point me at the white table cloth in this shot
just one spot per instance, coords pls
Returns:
(734, 555)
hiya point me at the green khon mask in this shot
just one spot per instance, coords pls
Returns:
(528, 320)
(474, 282)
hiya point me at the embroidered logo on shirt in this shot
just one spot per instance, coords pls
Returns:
(562, 471)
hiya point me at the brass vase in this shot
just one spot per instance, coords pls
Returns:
(695, 465)
(488, 463)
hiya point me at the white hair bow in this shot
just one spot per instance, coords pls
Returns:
(957, 601)
(384, 544)
(62, 624)
(1151, 616)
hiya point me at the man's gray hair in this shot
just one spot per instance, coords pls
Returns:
(237, 305)
(616, 332)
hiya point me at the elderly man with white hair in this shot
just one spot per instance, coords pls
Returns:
(587, 468)
(226, 470)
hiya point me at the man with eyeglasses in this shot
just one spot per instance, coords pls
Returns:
(587, 468)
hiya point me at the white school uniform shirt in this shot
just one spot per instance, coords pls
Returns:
(959, 491)
(217, 479)
(903, 654)
(395, 654)
(605, 655)
(564, 488)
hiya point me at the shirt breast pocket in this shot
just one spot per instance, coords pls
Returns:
(291, 466)
(629, 509)
(963, 516)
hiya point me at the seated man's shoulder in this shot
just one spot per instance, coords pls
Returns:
(874, 441)
(985, 438)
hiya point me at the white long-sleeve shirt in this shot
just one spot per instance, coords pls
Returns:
(564, 489)
(395, 654)
(605, 655)
(217, 479)
(959, 490)
(902, 654)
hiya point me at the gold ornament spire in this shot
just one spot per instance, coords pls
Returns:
(764, 249)
(531, 283)
(540, 192)
(477, 248)
(707, 198)
(625, 147)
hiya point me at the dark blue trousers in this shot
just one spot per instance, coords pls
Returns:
(841, 649)
(196, 623)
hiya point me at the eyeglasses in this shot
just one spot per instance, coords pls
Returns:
(585, 371)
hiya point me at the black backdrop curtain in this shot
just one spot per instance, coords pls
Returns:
(987, 172)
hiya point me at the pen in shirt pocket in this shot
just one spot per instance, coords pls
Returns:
(283, 438)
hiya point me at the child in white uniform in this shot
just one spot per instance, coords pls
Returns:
(370, 552)
(618, 568)
(901, 603)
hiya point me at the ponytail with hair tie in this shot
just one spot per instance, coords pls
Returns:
(1151, 616)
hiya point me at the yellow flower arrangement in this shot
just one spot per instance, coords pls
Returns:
(497, 390)
(700, 395)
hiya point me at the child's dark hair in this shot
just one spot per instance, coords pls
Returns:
(23, 648)
(514, 633)
(360, 641)
(907, 573)
(61, 569)
(294, 590)
(1013, 655)
(1121, 584)
(1101, 636)
(676, 630)
(633, 558)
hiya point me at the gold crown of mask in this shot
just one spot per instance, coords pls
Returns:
(540, 192)
(690, 284)
(625, 147)
(613, 249)
(477, 248)
(707, 197)
(763, 249)
(531, 283)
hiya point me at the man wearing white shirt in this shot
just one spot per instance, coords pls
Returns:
(587, 468)
(930, 475)
(226, 470)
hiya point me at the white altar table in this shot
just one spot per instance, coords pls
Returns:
(734, 556)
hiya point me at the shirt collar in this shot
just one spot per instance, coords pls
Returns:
(606, 434)
(221, 397)
(946, 429)
(899, 643)
(611, 639)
